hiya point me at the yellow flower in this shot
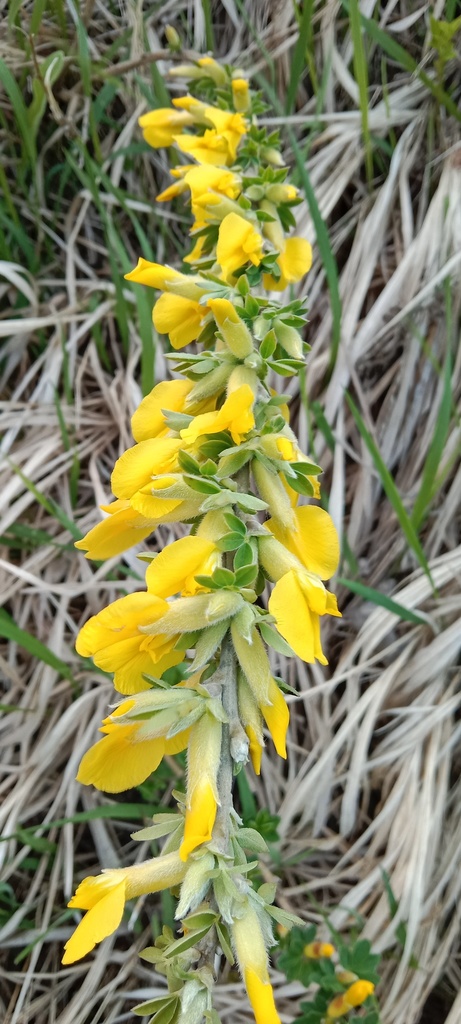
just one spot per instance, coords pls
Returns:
(252, 959)
(139, 464)
(203, 761)
(149, 419)
(210, 148)
(104, 897)
(235, 415)
(354, 996)
(183, 319)
(317, 950)
(114, 640)
(165, 279)
(123, 528)
(159, 127)
(251, 719)
(173, 571)
(314, 540)
(199, 180)
(253, 660)
(296, 602)
(130, 750)
(295, 260)
(239, 243)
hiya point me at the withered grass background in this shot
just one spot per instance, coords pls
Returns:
(372, 781)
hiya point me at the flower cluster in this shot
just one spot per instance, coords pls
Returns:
(213, 448)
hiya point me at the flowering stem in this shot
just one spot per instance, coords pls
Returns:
(228, 673)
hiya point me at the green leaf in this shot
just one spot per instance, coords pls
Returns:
(186, 942)
(224, 941)
(274, 640)
(235, 524)
(201, 484)
(230, 542)
(244, 556)
(361, 76)
(369, 594)
(359, 959)
(153, 1005)
(20, 112)
(36, 648)
(249, 503)
(391, 491)
(435, 451)
(245, 576)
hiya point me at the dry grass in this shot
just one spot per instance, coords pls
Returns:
(372, 781)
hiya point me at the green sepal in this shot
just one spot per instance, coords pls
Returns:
(207, 645)
(201, 484)
(250, 839)
(186, 942)
(273, 639)
(224, 941)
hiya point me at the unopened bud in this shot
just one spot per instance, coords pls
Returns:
(281, 193)
(173, 38)
(289, 338)
(233, 329)
(272, 156)
(241, 95)
(318, 950)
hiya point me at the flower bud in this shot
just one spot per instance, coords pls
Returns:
(172, 38)
(240, 95)
(233, 329)
(318, 950)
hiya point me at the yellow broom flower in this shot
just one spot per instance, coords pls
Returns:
(355, 995)
(239, 243)
(159, 127)
(203, 760)
(235, 415)
(104, 896)
(294, 261)
(252, 959)
(114, 640)
(182, 319)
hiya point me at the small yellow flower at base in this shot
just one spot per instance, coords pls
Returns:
(104, 898)
(182, 319)
(139, 464)
(354, 996)
(210, 148)
(318, 950)
(277, 718)
(200, 818)
(294, 261)
(239, 243)
(314, 539)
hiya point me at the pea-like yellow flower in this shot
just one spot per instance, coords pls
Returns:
(131, 750)
(314, 540)
(113, 638)
(250, 950)
(218, 146)
(139, 464)
(174, 570)
(199, 180)
(182, 319)
(165, 279)
(355, 995)
(318, 950)
(160, 126)
(235, 415)
(239, 243)
(123, 528)
(104, 896)
(203, 761)
(294, 261)
(149, 419)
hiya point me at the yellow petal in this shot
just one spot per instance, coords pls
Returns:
(200, 818)
(160, 126)
(235, 415)
(103, 919)
(277, 716)
(256, 749)
(121, 530)
(173, 570)
(314, 541)
(261, 998)
(294, 619)
(155, 275)
(119, 621)
(136, 467)
(210, 148)
(117, 762)
(238, 243)
(149, 420)
(179, 317)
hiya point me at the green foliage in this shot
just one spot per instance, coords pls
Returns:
(442, 40)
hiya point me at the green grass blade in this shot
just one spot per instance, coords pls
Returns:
(370, 594)
(390, 490)
(399, 54)
(326, 252)
(29, 643)
(20, 112)
(361, 77)
(298, 62)
(428, 487)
